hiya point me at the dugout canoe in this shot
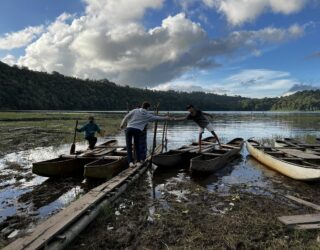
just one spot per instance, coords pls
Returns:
(293, 163)
(215, 159)
(298, 143)
(177, 157)
(294, 144)
(73, 165)
(107, 167)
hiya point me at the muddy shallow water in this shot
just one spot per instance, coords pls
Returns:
(25, 198)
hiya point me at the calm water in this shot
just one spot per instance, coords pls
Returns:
(23, 194)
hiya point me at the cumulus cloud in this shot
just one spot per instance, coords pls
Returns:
(187, 86)
(238, 12)
(20, 38)
(110, 41)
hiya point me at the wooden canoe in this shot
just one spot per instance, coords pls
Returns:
(66, 166)
(105, 168)
(287, 164)
(61, 167)
(215, 159)
(298, 143)
(291, 143)
(177, 157)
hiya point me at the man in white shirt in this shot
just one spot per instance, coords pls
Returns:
(137, 119)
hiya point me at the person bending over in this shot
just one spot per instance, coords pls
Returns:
(201, 119)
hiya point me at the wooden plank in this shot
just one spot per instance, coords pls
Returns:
(300, 219)
(303, 202)
(212, 154)
(309, 145)
(56, 223)
(229, 146)
(203, 149)
(299, 153)
(290, 158)
(307, 226)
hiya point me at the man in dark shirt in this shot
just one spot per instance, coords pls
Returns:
(90, 129)
(201, 119)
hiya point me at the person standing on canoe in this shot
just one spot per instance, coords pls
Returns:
(136, 120)
(90, 130)
(201, 119)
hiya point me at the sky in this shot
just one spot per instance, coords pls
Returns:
(253, 48)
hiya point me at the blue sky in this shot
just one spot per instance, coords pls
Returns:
(236, 47)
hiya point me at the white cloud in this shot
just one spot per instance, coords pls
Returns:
(188, 86)
(259, 83)
(20, 38)
(9, 59)
(110, 41)
(238, 12)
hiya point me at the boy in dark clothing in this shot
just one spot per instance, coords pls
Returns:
(90, 129)
(200, 118)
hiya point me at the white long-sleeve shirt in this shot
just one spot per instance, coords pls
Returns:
(139, 118)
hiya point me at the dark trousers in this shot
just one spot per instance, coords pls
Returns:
(92, 141)
(143, 145)
(135, 134)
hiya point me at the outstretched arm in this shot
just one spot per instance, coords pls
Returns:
(180, 118)
(81, 129)
(124, 120)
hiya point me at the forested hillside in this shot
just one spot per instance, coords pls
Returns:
(23, 89)
(305, 100)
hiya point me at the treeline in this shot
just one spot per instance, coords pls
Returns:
(23, 89)
(304, 101)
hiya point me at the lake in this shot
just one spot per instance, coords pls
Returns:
(26, 198)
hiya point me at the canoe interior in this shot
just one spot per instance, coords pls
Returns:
(276, 153)
(101, 163)
(236, 141)
(105, 168)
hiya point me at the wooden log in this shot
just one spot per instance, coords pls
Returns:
(300, 219)
(303, 202)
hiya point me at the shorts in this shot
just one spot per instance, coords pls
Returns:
(209, 127)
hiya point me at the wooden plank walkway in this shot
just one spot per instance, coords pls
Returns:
(300, 219)
(303, 221)
(307, 226)
(48, 229)
(303, 202)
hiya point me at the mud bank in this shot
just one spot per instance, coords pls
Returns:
(22, 131)
(185, 215)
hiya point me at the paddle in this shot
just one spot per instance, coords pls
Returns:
(73, 146)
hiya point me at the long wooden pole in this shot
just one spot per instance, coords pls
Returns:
(73, 146)
(166, 137)
(155, 132)
(163, 135)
